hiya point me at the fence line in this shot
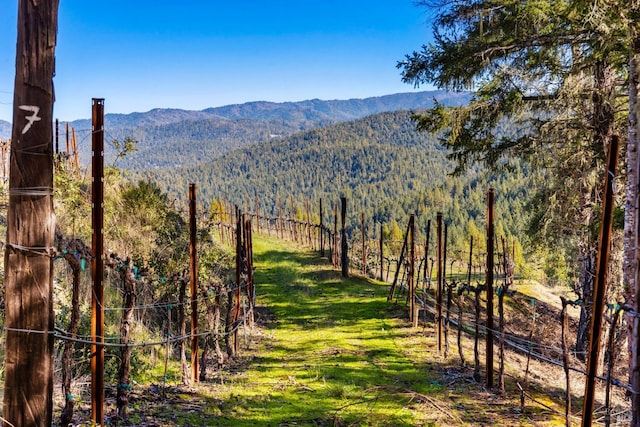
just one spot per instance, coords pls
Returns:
(371, 263)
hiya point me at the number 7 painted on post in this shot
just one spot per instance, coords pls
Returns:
(32, 118)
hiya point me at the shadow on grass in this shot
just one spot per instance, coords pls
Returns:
(336, 353)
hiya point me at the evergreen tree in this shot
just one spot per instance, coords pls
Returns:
(551, 67)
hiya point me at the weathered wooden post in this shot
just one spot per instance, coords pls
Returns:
(31, 223)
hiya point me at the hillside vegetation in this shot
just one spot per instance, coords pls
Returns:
(5, 129)
(385, 168)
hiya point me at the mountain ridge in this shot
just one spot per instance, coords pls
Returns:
(5, 129)
(174, 137)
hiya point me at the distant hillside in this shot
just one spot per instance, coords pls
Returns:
(170, 137)
(5, 129)
(382, 165)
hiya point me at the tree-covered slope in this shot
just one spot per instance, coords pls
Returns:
(5, 129)
(384, 167)
(171, 137)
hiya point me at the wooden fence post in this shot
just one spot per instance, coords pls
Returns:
(31, 223)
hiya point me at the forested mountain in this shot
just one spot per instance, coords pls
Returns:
(5, 129)
(171, 137)
(384, 167)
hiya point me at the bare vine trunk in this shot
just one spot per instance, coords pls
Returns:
(182, 324)
(128, 300)
(67, 357)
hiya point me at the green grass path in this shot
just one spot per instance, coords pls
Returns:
(334, 351)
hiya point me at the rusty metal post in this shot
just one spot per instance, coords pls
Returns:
(439, 286)
(97, 264)
(309, 236)
(412, 259)
(57, 136)
(280, 234)
(364, 246)
(335, 236)
(600, 285)
(66, 130)
(343, 238)
(489, 280)
(257, 215)
(426, 252)
(236, 306)
(193, 269)
(321, 232)
(381, 253)
(293, 226)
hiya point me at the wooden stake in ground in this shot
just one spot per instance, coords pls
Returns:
(31, 223)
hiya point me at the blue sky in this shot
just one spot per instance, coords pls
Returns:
(195, 54)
